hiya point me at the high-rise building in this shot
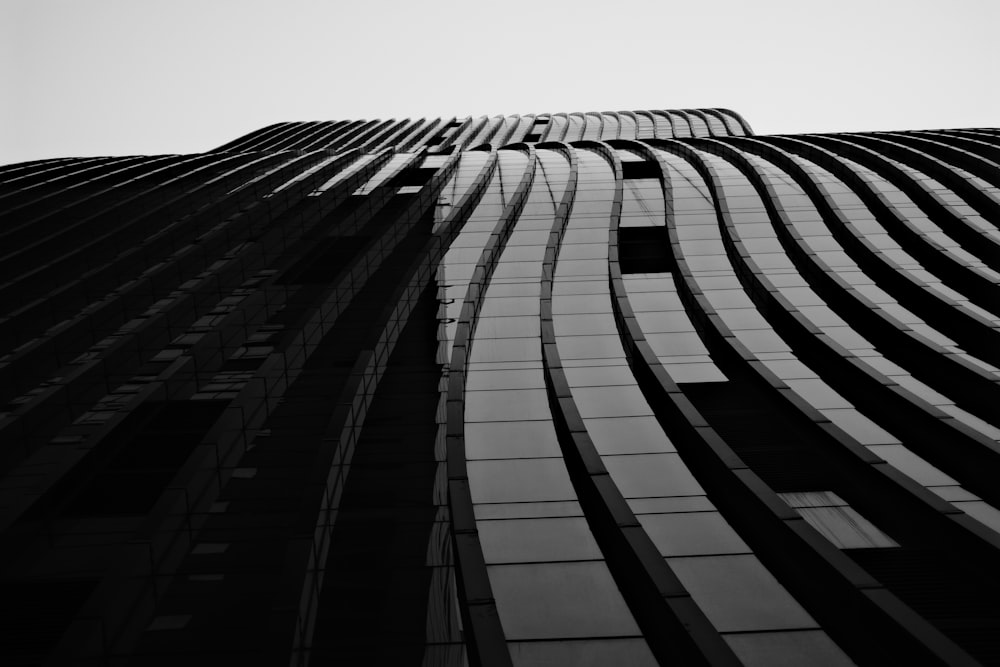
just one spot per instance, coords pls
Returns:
(634, 388)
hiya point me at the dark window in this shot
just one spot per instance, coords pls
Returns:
(412, 176)
(134, 462)
(645, 169)
(644, 249)
(35, 614)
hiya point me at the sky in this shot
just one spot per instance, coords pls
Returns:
(124, 77)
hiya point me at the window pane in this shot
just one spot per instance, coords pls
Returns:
(787, 649)
(738, 594)
(537, 540)
(506, 405)
(519, 480)
(510, 440)
(559, 600)
(582, 653)
(610, 402)
(647, 475)
(692, 533)
(627, 435)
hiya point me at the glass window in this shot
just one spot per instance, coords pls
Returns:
(518, 270)
(738, 594)
(503, 306)
(694, 372)
(787, 649)
(579, 305)
(648, 475)
(911, 465)
(589, 347)
(692, 533)
(953, 493)
(581, 363)
(761, 340)
(580, 287)
(655, 301)
(486, 511)
(623, 401)
(859, 427)
(982, 512)
(526, 238)
(627, 435)
(507, 327)
(790, 369)
(801, 296)
(509, 440)
(590, 376)
(649, 282)
(559, 600)
(506, 349)
(519, 480)
(671, 344)
(523, 252)
(537, 540)
(504, 366)
(573, 236)
(582, 267)
(514, 289)
(837, 521)
(584, 325)
(469, 239)
(506, 405)
(671, 505)
(583, 251)
(708, 263)
(528, 378)
(664, 322)
(817, 393)
(582, 653)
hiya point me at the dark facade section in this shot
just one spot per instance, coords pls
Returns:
(603, 388)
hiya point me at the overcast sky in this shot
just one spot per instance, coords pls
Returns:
(117, 77)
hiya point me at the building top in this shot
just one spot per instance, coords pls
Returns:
(448, 135)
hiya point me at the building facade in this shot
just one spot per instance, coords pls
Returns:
(634, 388)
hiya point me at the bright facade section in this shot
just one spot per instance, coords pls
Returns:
(619, 388)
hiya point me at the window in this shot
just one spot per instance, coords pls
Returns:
(837, 521)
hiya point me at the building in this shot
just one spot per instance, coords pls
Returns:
(628, 388)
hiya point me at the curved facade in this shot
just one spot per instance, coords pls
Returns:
(441, 135)
(631, 388)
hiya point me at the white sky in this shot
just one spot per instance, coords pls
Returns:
(118, 77)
